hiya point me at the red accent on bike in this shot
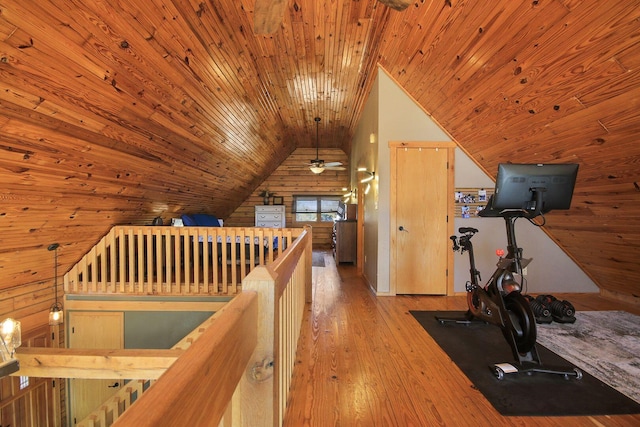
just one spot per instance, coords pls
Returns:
(500, 252)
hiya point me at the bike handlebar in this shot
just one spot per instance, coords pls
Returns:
(466, 230)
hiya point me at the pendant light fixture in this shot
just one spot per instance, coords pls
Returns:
(56, 315)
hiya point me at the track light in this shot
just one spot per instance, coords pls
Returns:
(368, 178)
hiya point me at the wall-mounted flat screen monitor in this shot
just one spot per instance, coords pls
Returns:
(517, 185)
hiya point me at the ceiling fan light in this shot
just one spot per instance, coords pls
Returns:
(316, 169)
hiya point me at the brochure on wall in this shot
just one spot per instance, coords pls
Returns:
(470, 201)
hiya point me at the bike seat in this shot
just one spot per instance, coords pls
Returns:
(465, 230)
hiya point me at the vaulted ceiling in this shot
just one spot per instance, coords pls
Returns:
(113, 111)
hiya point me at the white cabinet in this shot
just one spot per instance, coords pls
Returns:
(270, 216)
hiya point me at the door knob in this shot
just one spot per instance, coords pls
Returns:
(401, 228)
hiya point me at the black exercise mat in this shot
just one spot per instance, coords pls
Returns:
(476, 347)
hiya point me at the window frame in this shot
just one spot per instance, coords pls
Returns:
(319, 198)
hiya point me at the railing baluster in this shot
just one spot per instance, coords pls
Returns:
(177, 262)
(223, 261)
(206, 238)
(168, 278)
(147, 261)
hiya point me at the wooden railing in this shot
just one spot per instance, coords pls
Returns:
(115, 406)
(243, 354)
(283, 289)
(176, 260)
(106, 414)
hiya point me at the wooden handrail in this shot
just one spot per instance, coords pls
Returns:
(197, 388)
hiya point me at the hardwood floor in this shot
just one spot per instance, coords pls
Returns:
(364, 361)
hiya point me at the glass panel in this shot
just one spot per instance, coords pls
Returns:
(306, 217)
(328, 216)
(329, 204)
(306, 204)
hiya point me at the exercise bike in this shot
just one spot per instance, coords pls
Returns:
(501, 303)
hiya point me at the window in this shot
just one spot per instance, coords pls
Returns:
(24, 382)
(315, 208)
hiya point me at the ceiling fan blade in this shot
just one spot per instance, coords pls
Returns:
(329, 164)
(335, 168)
(398, 5)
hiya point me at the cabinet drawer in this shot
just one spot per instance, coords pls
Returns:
(270, 224)
(269, 209)
(268, 216)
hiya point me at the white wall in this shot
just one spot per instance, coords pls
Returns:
(365, 154)
(393, 116)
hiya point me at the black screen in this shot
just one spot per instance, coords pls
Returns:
(516, 185)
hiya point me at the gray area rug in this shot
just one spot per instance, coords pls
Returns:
(606, 344)
(317, 259)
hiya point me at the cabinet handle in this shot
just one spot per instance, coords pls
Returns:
(401, 228)
(114, 385)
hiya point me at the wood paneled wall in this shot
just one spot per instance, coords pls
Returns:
(291, 178)
(117, 112)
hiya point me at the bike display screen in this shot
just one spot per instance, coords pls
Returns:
(517, 186)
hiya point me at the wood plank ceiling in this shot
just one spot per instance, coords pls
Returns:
(116, 111)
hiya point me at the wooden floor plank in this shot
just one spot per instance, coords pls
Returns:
(364, 361)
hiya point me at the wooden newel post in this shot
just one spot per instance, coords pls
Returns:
(258, 391)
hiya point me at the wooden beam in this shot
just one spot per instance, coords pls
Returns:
(94, 363)
(268, 15)
(398, 5)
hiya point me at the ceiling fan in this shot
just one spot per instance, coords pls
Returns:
(318, 165)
